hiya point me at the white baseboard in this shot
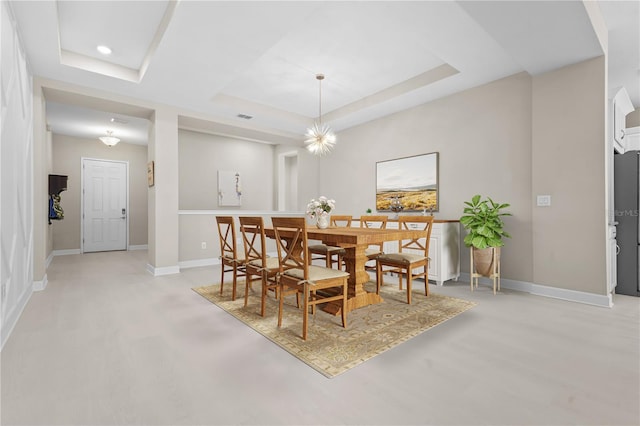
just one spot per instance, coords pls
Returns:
(185, 264)
(48, 261)
(65, 252)
(11, 319)
(139, 247)
(573, 296)
(546, 291)
(165, 270)
(41, 285)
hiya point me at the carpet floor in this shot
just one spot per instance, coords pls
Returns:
(331, 349)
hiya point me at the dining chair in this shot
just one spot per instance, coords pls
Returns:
(413, 253)
(231, 259)
(327, 252)
(257, 263)
(297, 277)
(374, 250)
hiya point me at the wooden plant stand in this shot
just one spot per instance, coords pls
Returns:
(495, 272)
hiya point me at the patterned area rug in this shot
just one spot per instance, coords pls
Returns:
(329, 348)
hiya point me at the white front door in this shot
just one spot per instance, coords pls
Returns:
(104, 209)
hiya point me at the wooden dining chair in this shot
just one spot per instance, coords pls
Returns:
(231, 259)
(297, 277)
(413, 253)
(374, 250)
(257, 263)
(327, 252)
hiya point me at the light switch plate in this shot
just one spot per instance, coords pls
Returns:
(544, 200)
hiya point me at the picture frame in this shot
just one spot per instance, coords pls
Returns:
(150, 173)
(408, 184)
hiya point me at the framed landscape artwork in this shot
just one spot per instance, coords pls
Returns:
(411, 182)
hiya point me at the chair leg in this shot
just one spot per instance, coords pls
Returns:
(327, 260)
(409, 287)
(263, 296)
(246, 288)
(378, 277)
(344, 305)
(426, 281)
(235, 281)
(280, 306)
(305, 314)
(399, 279)
(221, 277)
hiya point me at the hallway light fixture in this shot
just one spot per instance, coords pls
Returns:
(320, 139)
(109, 140)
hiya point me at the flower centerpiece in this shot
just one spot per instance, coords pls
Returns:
(320, 210)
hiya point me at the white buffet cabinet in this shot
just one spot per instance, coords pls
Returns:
(444, 250)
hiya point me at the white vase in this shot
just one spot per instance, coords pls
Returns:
(323, 220)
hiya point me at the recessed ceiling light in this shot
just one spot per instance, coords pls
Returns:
(105, 50)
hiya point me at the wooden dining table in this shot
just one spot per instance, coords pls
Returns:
(355, 241)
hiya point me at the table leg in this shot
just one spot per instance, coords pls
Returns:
(357, 296)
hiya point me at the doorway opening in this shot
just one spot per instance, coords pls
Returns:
(288, 181)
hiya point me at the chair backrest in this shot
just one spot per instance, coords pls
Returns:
(373, 221)
(292, 244)
(252, 228)
(341, 220)
(413, 223)
(227, 234)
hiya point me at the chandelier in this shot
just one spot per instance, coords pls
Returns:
(109, 140)
(320, 139)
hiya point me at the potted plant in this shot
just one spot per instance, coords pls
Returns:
(483, 220)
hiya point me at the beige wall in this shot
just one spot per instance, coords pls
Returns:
(633, 118)
(67, 154)
(568, 157)
(202, 155)
(483, 137)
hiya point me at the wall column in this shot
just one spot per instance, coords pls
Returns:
(163, 196)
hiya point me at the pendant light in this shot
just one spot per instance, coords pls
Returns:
(109, 140)
(320, 139)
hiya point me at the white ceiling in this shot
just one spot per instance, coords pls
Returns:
(215, 60)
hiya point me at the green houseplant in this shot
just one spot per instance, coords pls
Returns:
(483, 220)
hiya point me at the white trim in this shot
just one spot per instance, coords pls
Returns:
(573, 296)
(165, 270)
(10, 321)
(66, 252)
(41, 285)
(185, 264)
(139, 247)
(49, 260)
(240, 212)
(605, 301)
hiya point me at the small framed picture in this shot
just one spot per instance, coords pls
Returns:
(150, 171)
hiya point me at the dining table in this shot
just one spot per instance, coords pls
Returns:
(355, 241)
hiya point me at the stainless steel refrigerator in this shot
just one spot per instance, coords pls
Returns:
(627, 196)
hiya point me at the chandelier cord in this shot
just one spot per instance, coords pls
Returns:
(320, 100)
